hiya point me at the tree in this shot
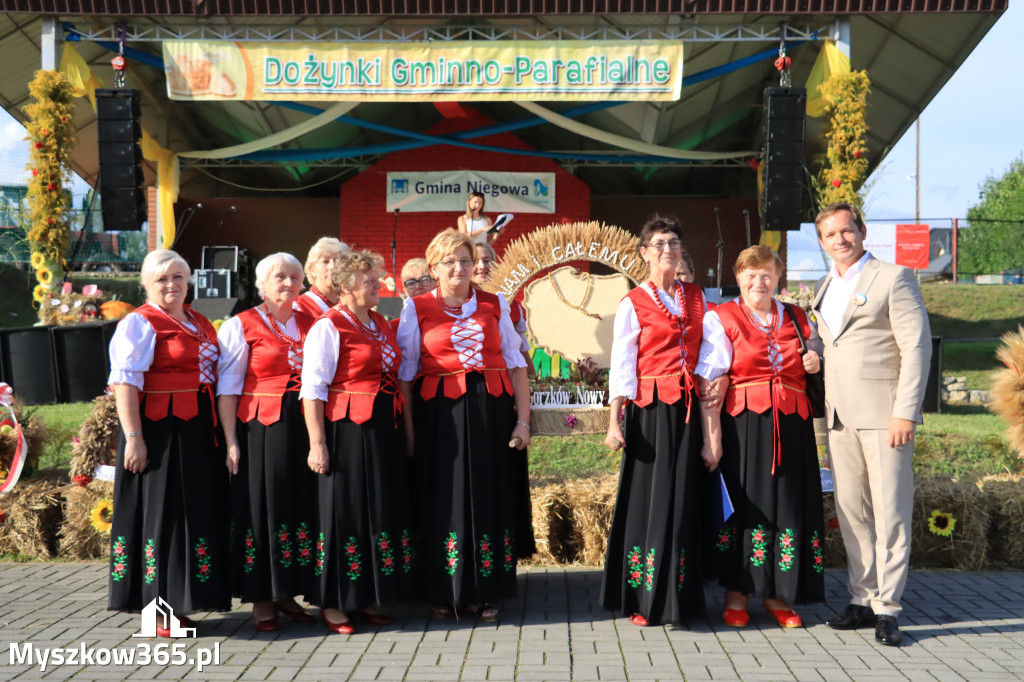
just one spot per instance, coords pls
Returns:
(994, 242)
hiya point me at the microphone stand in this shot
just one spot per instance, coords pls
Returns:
(183, 222)
(746, 221)
(394, 247)
(721, 251)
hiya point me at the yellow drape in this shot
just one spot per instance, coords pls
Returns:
(830, 60)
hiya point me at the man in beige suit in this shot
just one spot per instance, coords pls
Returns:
(874, 325)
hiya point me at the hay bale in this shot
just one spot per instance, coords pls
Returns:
(552, 525)
(967, 548)
(591, 503)
(552, 421)
(1004, 494)
(33, 512)
(35, 436)
(78, 539)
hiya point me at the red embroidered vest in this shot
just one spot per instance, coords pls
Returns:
(308, 303)
(440, 361)
(660, 345)
(171, 383)
(267, 375)
(358, 378)
(751, 375)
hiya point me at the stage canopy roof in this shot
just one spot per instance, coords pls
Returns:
(909, 49)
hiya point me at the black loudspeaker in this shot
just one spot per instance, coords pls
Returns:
(784, 116)
(28, 364)
(83, 364)
(121, 181)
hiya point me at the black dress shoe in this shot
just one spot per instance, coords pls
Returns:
(852, 618)
(887, 631)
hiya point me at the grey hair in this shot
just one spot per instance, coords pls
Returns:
(327, 246)
(272, 263)
(158, 262)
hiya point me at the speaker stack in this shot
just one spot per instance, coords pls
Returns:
(784, 116)
(223, 282)
(121, 181)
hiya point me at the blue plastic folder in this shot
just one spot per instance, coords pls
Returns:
(724, 509)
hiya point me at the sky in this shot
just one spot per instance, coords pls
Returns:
(972, 129)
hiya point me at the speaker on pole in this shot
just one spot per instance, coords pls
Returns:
(784, 116)
(121, 181)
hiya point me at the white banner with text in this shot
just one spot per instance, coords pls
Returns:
(448, 191)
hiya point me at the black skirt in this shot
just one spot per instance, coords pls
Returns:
(772, 545)
(470, 487)
(366, 550)
(274, 514)
(170, 522)
(656, 545)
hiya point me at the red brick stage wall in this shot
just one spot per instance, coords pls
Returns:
(366, 224)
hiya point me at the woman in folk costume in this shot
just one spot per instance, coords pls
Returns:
(320, 264)
(771, 547)
(169, 532)
(273, 492)
(366, 555)
(525, 544)
(654, 567)
(471, 411)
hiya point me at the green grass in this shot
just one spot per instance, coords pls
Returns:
(62, 424)
(974, 360)
(555, 458)
(963, 441)
(965, 311)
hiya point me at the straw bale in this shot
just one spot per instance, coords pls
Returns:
(552, 525)
(591, 502)
(96, 437)
(1005, 497)
(35, 436)
(551, 422)
(77, 537)
(1008, 388)
(33, 513)
(967, 548)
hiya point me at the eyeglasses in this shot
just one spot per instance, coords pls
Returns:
(450, 263)
(424, 281)
(674, 244)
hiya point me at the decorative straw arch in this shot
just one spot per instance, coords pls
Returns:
(561, 243)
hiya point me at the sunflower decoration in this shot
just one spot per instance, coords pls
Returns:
(44, 276)
(41, 294)
(37, 260)
(941, 523)
(102, 514)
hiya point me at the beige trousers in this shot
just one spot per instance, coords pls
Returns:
(874, 489)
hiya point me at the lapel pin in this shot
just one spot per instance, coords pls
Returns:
(859, 299)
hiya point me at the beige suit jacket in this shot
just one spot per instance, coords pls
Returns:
(876, 364)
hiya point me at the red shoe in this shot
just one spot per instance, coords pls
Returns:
(346, 628)
(736, 618)
(376, 618)
(787, 618)
(299, 616)
(166, 632)
(638, 620)
(268, 625)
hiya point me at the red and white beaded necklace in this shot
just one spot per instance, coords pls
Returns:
(680, 301)
(374, 333)
(275, 326)
(767, 327)
(199, 334)
(454, 311)
(316, 292)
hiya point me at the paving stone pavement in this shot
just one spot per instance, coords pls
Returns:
(957, 626)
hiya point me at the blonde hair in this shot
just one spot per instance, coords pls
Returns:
(158, 262)
(446, 242)
(272, 263)
(756, 257)
(417, 264)
(488, 248)
(352, 263)
(325, 246)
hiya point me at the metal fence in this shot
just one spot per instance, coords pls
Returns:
(805, 260)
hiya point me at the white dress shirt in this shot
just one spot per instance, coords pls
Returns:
(234, 352)
(131, 350)
(838, 294)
